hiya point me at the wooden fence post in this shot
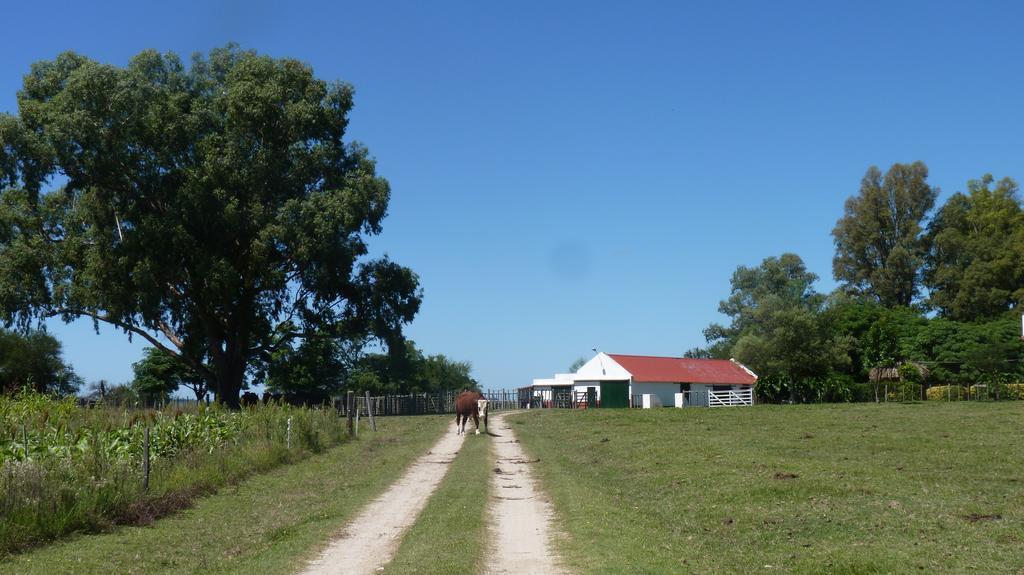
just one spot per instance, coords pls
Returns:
(145, 460)
(349, 402)
(369, 411)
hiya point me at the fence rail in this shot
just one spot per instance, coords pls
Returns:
(730, 398)
(431, 403)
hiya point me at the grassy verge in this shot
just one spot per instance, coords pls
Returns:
(449, 536)
(267, 524)
(920, 488)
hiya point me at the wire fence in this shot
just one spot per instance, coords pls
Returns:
(427, 403)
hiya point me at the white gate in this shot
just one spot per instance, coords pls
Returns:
(729, 398)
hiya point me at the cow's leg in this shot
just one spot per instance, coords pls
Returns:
(476, 422)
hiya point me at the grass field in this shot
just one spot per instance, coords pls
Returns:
(449, 536)
(845, 489)
(267, 524)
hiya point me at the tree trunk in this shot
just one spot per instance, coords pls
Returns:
(229, 384)
(226, 377)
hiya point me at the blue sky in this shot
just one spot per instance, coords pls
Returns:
(570, 175)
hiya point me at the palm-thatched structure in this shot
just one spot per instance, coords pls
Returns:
(884, 374)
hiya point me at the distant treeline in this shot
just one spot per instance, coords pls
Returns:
(927, 296)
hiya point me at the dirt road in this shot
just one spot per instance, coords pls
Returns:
(370, 540)
(521, 530)
(519, 523)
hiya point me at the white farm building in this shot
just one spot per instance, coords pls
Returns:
(616, 380)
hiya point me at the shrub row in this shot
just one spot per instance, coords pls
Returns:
(839, 389)
(960, 392)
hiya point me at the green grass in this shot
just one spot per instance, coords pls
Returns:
(449, 536)
(845, 489)
(269, 523)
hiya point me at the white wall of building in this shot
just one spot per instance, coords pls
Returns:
(543, 383)
(599, 368)
(581, 387)
(665, 391)
(602, 368)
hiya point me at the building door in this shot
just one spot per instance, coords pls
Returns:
(614, 394)
(561, 397)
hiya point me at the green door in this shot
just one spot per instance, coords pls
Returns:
(614, 394)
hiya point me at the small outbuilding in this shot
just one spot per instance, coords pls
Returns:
(548, 392)
(618, 380)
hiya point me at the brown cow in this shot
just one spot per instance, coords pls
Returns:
(470, 403)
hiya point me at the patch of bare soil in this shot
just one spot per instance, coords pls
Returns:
(521, 530)
(975, 517)
(370, 540)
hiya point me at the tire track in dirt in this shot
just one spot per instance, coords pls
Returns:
(370, 540)
(521, 530)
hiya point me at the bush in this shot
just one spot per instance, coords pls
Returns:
(903, 391)
(996, 390)
(862, 392)
(771, 389)
(1013, 391)
(947, 393)
(833, 388)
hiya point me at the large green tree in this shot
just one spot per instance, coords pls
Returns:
(159, 374)
(969, 352)
(880, 245)
(975, 264)
(411, 372)
(35, 360)
(213, 209)
(441, 373)
(854, 317)
(313, 371)
(777, 325)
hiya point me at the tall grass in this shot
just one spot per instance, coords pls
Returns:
(65, 468)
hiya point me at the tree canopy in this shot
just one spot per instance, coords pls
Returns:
(35, 360)
(213, 209)
(412, 372)
(320, 369)
(776, 325)
(159, 374)
(975, 262)
(314, 371)
(576, 365)
(880, 245)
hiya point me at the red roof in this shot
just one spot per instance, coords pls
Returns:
(682, 370)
